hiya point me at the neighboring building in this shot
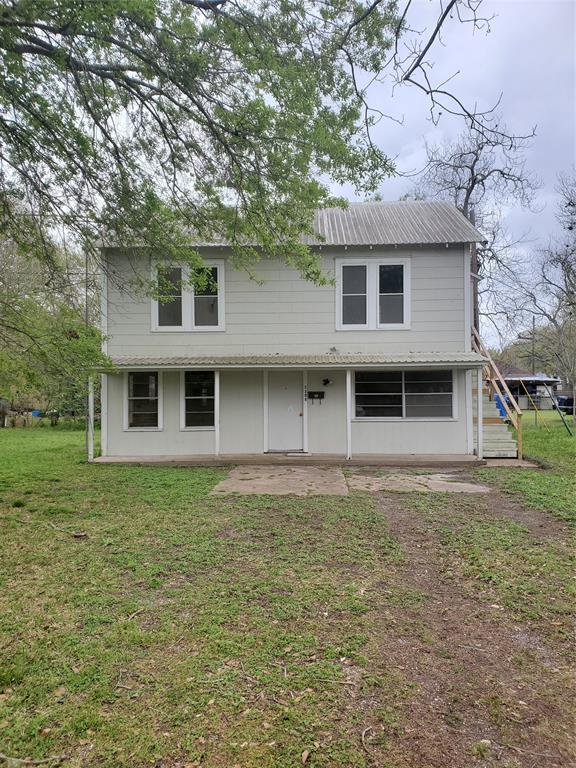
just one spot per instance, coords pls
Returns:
(530, 389)
(380, 362)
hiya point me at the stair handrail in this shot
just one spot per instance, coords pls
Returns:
(499, 386)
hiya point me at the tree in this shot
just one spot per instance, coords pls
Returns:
(47, 349)
(159, 122)
(481, 173)
(549, 295)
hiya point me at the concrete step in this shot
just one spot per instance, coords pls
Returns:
(498, 440)
(489, 453)
(499, 444)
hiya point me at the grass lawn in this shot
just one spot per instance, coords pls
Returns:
(554, 490)
(146, 623)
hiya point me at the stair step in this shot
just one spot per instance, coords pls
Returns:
(497, 436)
(495, 429)
(499, 446)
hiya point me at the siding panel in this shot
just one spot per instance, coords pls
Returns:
(287, 314)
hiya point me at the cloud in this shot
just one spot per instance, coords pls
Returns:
(529, 57)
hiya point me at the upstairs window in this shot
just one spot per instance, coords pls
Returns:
(143, 398)
(189, 302)
(170, 290)
(199, 399)
(404, 394)
(206, 298)
(390, 294)
(373, 294)
(354, 295)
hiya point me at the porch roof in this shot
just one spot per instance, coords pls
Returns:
(321, 361)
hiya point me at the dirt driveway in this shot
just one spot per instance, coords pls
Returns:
(487, 686)
(490, 689)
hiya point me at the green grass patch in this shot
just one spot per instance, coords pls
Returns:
(535, 580)
(183, 628)
(551, 489)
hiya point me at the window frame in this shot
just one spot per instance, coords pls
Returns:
(183, 427)
(404, 418)
(372, 264)
(126, 411)
(188, 320)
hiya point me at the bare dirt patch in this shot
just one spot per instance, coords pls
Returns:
(540, 524)
(489, 691)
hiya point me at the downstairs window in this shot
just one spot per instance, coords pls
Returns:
(199, 399)
(404, 394)
(143, 400)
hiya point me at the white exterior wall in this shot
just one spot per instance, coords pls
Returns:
(327, 420)
(405, 436)
(168, 441)
(242, 421)
(241, 412)
(289, 315)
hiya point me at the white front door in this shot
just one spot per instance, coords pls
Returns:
(285, 411)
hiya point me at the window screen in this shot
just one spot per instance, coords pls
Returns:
(428, 394)
(354, 297)
(378, 394)
(394, 394)
(390, 294)
(170, 301)
(206, 297)
(199, 398)
(143, 399)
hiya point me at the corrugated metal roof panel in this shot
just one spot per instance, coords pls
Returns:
(398, 223)
(384, 223)
(456, 359)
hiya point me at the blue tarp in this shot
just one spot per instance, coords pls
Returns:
(500, 406)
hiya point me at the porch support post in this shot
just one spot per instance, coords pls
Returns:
(479, 415)
(90, 421)
(348, 414)
(217, 413)
(265, 413)
(305, 411)
(104, 414)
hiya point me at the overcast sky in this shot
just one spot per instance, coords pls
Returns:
(529, 57)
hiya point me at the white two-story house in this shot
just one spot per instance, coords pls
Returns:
(379, 362)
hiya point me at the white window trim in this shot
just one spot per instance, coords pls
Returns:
(188, 301)
(372, 297)
(408, 419)
(126, 426)
(183, 427)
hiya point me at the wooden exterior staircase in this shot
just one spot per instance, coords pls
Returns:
(501, 438)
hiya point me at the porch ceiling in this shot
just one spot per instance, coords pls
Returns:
(334, 360)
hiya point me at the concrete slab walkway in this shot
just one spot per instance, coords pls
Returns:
(331, 481)
(301, 459)
(403, 483)
(284, 481)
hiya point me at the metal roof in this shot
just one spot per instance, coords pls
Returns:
(332, 360)
(397, 223)
(513, 373)
(410, 222)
